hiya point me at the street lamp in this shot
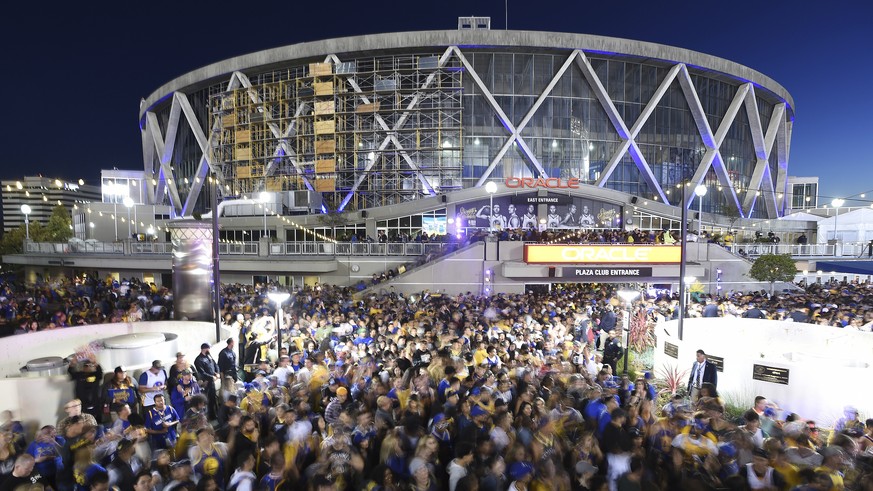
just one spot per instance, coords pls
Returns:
(128, 202)
(265, 196)
(491, 188)
(628, 296)
(700, 191)
(279, 298)
(837, 203)
(26, 210)
(689, 280)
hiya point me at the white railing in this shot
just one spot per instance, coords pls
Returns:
(151, 247)
(250, 248)
(74, 247)
(238, 248)
(848, 249)
(359, 248)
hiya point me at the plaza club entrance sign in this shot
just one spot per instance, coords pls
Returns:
(601, 254)
(603, 273)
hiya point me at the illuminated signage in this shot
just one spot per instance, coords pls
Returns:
(542, 200)
(594, 273)
(601, 254)
(542, 182)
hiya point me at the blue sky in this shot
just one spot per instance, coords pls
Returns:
(74, 74)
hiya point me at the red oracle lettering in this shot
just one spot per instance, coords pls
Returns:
(542, 182)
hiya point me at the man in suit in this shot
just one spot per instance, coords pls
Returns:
(227, 361)
(210, 377)
(701, 372)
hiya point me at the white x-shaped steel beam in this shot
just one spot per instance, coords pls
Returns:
(391, 136)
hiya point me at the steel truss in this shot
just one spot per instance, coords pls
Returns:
(395, 154)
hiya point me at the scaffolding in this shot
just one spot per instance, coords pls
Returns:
(373, 125)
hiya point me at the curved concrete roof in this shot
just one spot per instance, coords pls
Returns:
(467, 38)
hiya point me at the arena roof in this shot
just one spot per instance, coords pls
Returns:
(316, 50)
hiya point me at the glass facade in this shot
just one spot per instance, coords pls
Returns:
(380, 130)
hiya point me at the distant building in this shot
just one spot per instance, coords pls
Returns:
(802, 193)
(42, 194)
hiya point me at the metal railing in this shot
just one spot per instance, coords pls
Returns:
(238, 248)
(250, 248)
(849, 249)
(151, 247)
(74, 247)
(360, 248)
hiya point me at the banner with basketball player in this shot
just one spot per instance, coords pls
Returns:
(521, 211)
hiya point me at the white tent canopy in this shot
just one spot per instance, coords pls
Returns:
(853, 226)
(802, 216)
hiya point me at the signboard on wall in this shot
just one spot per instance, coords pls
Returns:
(601, 254)
(602, 273)
(671, 350)
(774, 375)
(542, 200)
(717, 361)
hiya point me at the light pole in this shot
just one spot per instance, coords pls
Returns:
(491, 188)
(628, 296)
(265, 196)
(128, 203)
(837, 203)
(279, 298)
(689, 280)
(26, 210)
(700, 191)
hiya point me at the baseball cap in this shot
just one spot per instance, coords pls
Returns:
(205, 346)
(119, 369)
(518, 470)
(157, 364)
(342, 391)
(477, 411)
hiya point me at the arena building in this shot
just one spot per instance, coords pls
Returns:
(368, 122)
(310, 150)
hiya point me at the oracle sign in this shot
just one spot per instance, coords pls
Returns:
(603, 254)
(541, 182)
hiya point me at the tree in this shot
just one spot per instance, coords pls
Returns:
(772, 268)
(733, 215)
(60, 225)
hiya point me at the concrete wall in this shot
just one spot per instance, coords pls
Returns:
(37, 401)
(459, 272)
(827, 366)
(16, 351)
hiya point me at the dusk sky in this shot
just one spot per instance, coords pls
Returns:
(74, 73)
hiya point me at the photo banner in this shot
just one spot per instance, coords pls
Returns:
(521, 211)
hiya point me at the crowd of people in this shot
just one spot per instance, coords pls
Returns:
(62, 302)
(432, 392)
